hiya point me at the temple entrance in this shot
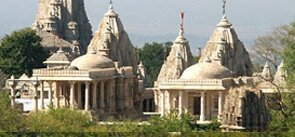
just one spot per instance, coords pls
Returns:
(197, 106)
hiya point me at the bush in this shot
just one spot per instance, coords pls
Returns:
(58, 120)
(10, 118)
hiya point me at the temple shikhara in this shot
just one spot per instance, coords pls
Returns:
(102, 74)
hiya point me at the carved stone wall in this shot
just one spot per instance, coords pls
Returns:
(245, 110)
(66, 19)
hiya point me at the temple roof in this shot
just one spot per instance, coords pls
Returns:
(179, 58)
(231, 52)
(111, 36)
(206, 70)
(92, 60)
(58, 58)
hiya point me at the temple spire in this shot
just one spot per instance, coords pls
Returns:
(181, 32)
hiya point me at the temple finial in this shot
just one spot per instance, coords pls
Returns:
(224, 7)
(111, 4)
(181, 23)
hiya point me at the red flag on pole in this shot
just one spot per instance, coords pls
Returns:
(182, 21)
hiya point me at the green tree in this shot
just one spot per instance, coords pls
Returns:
(153, 55)
(288, 54)
(10, 118)
(21, 52)
(282, 104)
(58, 120)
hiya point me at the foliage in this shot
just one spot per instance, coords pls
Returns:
(20, 52)
(153, 55)
(10, 119)
(288, 54)
(171, 122)
(58, 120)
(268, 47)
(282, 111)
(282, 104)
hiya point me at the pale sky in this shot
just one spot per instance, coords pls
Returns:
(158, 20)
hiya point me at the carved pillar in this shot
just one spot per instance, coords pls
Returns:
(162, 103)
(87, 101)
(168, 101)
(94, 96)
(42, 95)
(50, 93)
(112, 96)
(186, 102)
(202, 116)
(220, 95)
(208, 111)
(102, 103)
(72, 95)
(180, 102)
(56, 95)
(147, 107)
(79, 96)
(36, 103)
(12, 95)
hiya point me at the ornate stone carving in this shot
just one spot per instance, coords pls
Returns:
(66, 19)
(245, 110)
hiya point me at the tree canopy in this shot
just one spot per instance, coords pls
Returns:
(153, 55)
(288, 54)
(10, 119)
(21, 52)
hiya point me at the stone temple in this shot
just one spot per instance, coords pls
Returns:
(63, 23)
(105, 81)
(109, 79)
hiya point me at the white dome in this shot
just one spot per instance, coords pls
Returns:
(205, 70)
(92, 60)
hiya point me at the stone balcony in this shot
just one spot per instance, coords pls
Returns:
(200, 84)
(81, 75)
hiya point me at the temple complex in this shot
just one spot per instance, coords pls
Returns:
(221, 85)
(63, 23)
(110, 81)
(105, 81)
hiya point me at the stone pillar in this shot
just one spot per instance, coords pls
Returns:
(112, 96)
(220, 95)
(180, 102)
(87, 101)
(147, 105)
(168, 101)
(79, 96)
(162, 103)
(12, 95)
(36, 103)
(202, 116)
(102, 103)
(50, 93)
(208, 111)
(186, 102)
(56, 95)
(42, 95)
(94, 96)
(72, 95)
(12, 101)
(36, 84)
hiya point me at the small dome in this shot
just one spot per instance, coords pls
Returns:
(92, 60)
(206, 70)
(72, 68)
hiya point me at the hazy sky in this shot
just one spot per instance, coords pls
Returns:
(158, 20)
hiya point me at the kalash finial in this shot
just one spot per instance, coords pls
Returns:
(181, 23)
